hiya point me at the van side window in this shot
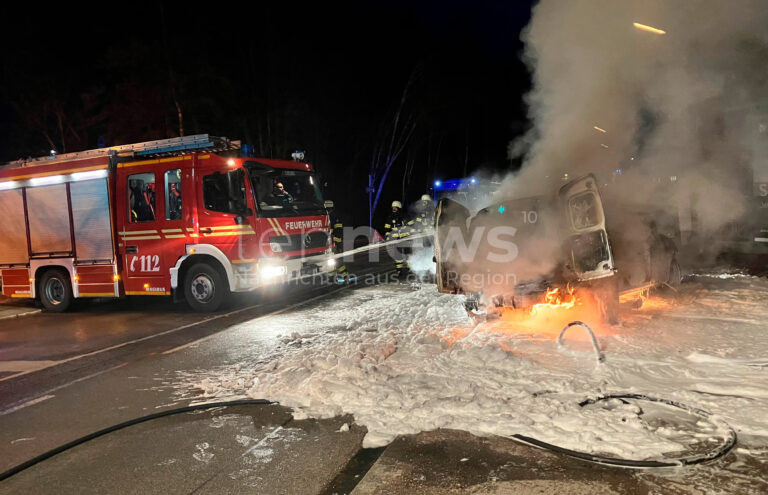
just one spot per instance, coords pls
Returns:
(173, 194)
(225, 192)
(141, 197)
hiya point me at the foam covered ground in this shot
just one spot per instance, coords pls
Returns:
(404, 361)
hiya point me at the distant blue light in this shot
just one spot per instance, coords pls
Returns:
(618, 170)
(501, 209)
(437, 183)
(473, 180)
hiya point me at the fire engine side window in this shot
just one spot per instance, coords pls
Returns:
(173, 194)
(141, 197)
(225, 192)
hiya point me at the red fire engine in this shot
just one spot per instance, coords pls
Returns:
(190, 217)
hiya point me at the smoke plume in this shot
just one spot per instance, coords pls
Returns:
(675, 120)
(666, 103)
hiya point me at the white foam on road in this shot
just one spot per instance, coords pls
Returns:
(392, 366)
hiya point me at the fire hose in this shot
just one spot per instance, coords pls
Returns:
(143, 419)
(598, 354)
(729, 439)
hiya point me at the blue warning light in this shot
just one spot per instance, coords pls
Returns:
(501, 209)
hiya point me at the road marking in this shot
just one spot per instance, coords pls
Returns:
(26, 313)
(25, 439)
(28, 403)
(270, 436)
(24, 365)
(273, 313)
(166, 332)
(55, 389)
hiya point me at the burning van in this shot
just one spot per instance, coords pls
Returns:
(522, 251)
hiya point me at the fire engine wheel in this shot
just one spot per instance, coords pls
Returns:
(55, 291)
(204, 288)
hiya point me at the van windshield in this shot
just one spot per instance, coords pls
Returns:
(285, 192)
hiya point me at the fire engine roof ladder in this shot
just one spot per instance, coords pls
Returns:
(160, 147)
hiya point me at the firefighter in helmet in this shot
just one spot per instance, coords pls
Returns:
(394, 222)
(339, 274)
(421, 222)
(425, 214)
(395, 228)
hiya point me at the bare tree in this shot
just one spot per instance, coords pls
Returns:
(410, 160)
(394, 138)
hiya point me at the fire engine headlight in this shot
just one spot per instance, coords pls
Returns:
(272, 271)
(276, 247)
(332, 262)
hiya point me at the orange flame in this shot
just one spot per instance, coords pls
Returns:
(554, 299)
(642, 299)
(546, 319)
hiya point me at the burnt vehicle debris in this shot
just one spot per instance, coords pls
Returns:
(515, 253)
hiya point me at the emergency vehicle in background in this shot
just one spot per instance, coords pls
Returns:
(190, 217)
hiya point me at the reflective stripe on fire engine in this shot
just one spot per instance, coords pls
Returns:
(148, 293)
(57, 172)
(171, 231)
(149, 162)
(219, 234)
(138, 232)
(276, 225)
(229, 227)
(142, 238)
(175, 236)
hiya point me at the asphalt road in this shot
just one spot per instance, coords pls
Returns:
(63, 376)
(45, 351)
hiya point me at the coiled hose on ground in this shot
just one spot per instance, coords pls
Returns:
(728, 442)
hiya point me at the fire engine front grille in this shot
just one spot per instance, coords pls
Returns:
(301, 242)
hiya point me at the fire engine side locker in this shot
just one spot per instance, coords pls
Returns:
(14, 250)
(58, 217)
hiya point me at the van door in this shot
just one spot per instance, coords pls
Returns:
(586, 245)
(451, 220)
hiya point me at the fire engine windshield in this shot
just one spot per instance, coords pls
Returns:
(285, 192)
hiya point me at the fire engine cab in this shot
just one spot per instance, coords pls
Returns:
(190, 217)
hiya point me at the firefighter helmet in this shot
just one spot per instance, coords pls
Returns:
(425, 197)
(397, 204)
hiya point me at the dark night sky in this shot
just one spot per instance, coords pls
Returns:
(325, 77)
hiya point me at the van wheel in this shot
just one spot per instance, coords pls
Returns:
(675, 277)
(606, 294)
(56, 291)
(204, 288)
